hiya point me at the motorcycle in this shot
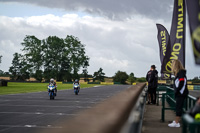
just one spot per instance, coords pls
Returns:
(51, 90)
(76, 88)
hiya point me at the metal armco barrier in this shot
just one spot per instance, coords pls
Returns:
(135, 120)
(109, 116)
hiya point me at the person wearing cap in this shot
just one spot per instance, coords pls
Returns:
(152, 78)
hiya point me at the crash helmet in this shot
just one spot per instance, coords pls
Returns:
(76, 81)
(51, 80)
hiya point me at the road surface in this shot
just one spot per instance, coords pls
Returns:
(33, 112)
(194, 93)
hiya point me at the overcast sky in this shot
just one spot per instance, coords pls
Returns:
(119, 35)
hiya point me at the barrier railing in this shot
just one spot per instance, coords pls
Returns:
(160, 89)
(190, 125)
(170, 98)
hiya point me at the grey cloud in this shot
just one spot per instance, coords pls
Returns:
(113, 9)
(112, 49)
(129, 45)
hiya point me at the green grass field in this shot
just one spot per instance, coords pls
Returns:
(14, 87)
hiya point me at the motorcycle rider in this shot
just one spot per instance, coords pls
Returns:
(52, 82)
(77, 82)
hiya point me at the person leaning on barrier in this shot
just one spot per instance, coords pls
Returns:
(180, 90)
(152, 78)
(195, 111)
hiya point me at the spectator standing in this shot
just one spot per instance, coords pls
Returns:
(180, 89)
(152, 78)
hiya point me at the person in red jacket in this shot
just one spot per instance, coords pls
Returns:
(180, 90)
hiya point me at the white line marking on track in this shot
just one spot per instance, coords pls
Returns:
(47, 106)
(30, 126)
(57, 101)
(37, 113)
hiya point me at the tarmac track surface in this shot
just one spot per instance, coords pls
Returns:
(194, 93)
(33, 112)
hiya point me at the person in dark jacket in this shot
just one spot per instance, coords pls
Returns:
(152, 78)
(149, 91)
(180, 90)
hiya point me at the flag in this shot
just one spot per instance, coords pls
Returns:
(176, 49)
(163, 41)
(193, 8)
(165, 76)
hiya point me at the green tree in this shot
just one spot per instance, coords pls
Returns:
(53, 49)
(85, 75)
(131, 78)
(33, 50)
(64, 73)
(142, 79)
(76, 54)
(195, 80)
(120, 77)
(52, 57)
(15, 68)
(20, 69)
(85, 71)
(99, 75)
(64, 58)
(38, 75)
(1, 73)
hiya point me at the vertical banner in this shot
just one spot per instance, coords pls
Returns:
(176, 49)
(163, 41)
(165, 76)
(193, 8)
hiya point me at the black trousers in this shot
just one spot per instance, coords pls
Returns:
(152, 92)
(179, 105)
(153, 95)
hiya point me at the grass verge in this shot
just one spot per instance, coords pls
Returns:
(14, 87)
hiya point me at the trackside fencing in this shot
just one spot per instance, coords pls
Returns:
(169, 96)
(189, 124)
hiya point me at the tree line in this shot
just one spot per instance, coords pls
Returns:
(52, 57)
(58, 58)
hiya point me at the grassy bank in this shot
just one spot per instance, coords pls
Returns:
(14, 87)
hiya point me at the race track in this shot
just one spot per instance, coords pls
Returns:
(33, 112)
(194, 93)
